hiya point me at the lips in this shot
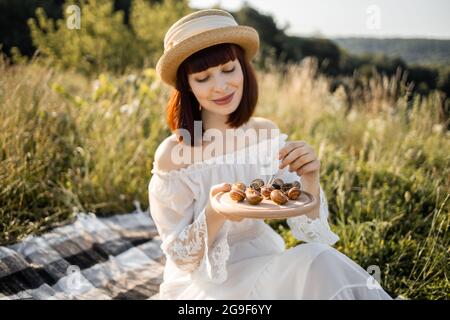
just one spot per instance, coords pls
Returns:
(225, 99)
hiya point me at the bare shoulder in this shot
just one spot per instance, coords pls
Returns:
(263, 123)
(163, 155)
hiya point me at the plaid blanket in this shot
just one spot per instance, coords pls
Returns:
(116, 257)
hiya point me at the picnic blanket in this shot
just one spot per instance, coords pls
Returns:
(116, 257)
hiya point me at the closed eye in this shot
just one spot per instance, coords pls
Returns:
(229, 71)
(225, 71)
(202, 80)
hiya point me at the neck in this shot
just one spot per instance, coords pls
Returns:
(214, 121)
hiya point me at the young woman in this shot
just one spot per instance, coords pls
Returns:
(210, 256)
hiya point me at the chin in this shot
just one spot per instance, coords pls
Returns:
(223, 110)
(228, 111)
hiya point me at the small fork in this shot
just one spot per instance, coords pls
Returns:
(271, 179)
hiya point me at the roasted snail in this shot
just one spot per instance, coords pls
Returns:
(278, 191)
(294, 193)
(297, 184)
(265, 191)
(237, 195)
(257, 184)
(286, 187)
(253, 196)
(278, 197)
(277, 183)
(239, 186)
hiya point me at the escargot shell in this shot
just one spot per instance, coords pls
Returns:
(265, 191)
(257, 184)
(277, 183)
(278, 197)
(239, 186)
(297, 184)
(253, 196)
(237, 195)
(285, 187)
(294, 193)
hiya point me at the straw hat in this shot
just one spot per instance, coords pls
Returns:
(199, 30)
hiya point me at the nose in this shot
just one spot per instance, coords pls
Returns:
(221, 85)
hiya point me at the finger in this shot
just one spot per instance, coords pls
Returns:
(312, 166)
(222, 187)
(293, 155)
(299, 162)
(283, 152)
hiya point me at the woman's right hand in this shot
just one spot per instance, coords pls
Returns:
(215, 189)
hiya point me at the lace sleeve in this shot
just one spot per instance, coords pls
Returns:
(307, 229)
(184, 235)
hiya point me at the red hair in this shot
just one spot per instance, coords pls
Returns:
(183, 107)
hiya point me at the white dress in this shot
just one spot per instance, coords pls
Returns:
(248, 259)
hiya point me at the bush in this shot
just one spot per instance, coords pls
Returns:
(104, 42)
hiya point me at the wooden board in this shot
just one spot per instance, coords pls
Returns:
(266, 209)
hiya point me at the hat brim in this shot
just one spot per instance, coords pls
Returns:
(244, 36)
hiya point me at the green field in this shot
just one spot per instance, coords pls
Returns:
(69, 144)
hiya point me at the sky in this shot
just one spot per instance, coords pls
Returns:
(352, 18)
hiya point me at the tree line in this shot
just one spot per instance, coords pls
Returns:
(112, 29)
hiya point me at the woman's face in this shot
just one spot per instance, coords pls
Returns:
(216, 83)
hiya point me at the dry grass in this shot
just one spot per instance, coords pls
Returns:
(69, 144)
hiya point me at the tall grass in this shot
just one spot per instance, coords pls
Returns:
(385, 170)
(69, 143)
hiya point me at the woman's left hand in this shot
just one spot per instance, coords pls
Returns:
(300, 157)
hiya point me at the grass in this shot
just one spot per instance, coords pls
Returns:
(70, 143)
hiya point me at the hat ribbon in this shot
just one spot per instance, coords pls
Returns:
(196, 26)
